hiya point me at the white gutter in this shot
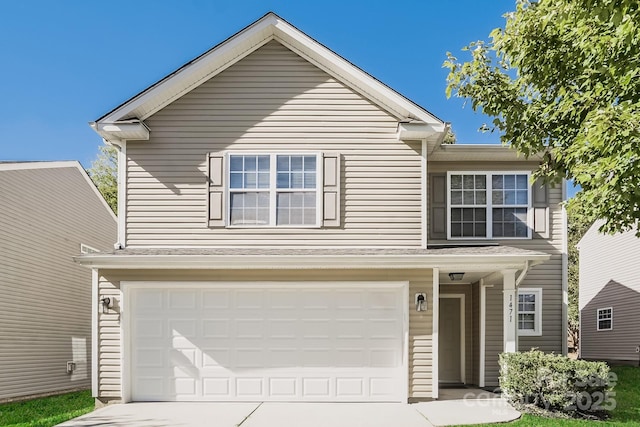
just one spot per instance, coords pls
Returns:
(418, 131)
(565, 273)
(301, 262)
(116, 131)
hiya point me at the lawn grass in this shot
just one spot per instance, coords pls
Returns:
(626, 413)
(46, 411)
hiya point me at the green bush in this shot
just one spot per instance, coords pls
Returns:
(557, 383)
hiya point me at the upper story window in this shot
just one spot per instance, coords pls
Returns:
(529, 311)
(273, 190)
(486, 205)
(605, 319)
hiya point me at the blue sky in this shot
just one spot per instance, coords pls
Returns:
(66, 63)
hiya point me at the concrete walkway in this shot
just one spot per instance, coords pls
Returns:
(464, 407)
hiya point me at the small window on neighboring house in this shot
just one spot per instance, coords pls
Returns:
(489, 205)
(273, 190)
(86, 249)
(605, 319)
(529, 312)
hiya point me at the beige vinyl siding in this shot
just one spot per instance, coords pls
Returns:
(273, 100)
(45, 298)
(609, 277)
(546, 276)
(493, 334)
(475, 327)
(420, 324)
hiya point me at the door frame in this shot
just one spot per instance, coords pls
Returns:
(126, 287)
(461, 298)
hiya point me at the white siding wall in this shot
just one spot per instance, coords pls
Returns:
(273, 100)
(45, 298)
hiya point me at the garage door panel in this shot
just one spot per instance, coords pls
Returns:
(249, 387)
(182, 300)
(215, 357)
(249, 300)
(216, 299)
(216, 387)
(282, 344)
(283, 387)
(150, 327)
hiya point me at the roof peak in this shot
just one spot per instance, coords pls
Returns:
(267, 28)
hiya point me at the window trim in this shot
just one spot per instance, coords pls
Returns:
(537, 330)
(598, 319)
(272, 190)
(489, 204)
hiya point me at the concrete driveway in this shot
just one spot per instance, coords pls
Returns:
(194, 414)
(457, 408)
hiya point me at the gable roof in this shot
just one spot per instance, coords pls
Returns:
(125, 121)
(30, 165)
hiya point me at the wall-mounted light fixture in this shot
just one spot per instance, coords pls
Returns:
(421, 301)
(456, 276)
(107, 303)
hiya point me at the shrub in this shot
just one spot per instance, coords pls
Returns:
(557, 383)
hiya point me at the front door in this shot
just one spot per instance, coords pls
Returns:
(449, 344)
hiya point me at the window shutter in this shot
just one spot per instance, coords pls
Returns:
(216, 193)
(540, 209)
(331, 190)
(438, 206)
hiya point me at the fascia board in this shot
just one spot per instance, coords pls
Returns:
(190, 76)
(245, 42)
(302, 262)
(350, 74)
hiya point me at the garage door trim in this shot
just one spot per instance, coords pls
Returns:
(127, 286)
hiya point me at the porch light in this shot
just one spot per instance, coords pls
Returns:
(456, 276)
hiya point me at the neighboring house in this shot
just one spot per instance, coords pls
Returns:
(49, 213)
(609, 296)
(291, 228)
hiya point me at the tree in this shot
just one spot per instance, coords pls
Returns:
(579, 222)
(104, 173)
(563, 78)
(450, 137)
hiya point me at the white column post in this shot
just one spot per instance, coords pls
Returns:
(122, 195)
(434, 335)
(510, 311)
(483, 319)
(424, 193)
(94, 332)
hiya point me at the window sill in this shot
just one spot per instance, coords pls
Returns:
(529, 334)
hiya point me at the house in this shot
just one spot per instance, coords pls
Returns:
(49, 212)
(609, 296)
(295, 231)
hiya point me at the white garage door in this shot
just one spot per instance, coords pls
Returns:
(267, 343)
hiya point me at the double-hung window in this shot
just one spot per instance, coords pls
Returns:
(489, 205)
(529, 311)
(267, 190)
(605, 319)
